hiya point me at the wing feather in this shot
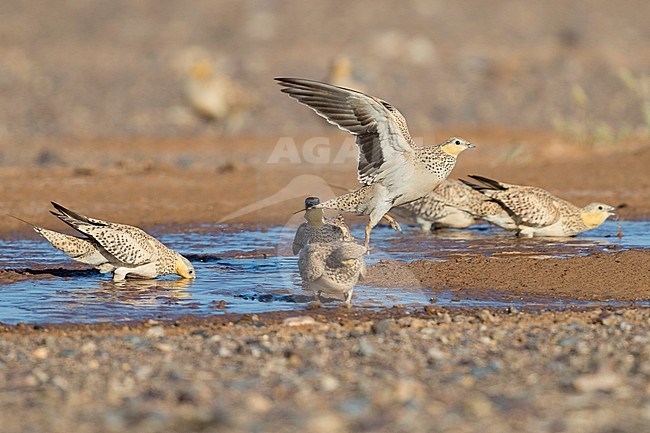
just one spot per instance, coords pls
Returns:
(127, 244)
(382, 134)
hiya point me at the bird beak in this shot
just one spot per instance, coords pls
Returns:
(298, 211)
(470, 145)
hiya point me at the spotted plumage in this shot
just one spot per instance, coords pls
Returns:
(332, 268)
(452, 204)
(536, 212)
(118, 248)
(319, 229)
(392, 168)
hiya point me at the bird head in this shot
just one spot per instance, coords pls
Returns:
(454, 146)
(311, 202)
(341, 68)
(202, 70)
(594, 214)
(184, 268)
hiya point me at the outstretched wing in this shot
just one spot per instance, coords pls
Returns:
(125, 243)
(385, 145)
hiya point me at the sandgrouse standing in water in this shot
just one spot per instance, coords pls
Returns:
(392, 168)
(536, 212)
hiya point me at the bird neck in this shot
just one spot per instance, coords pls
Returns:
(314, 217)
(594, 218)
(437, 160)
(451, 149)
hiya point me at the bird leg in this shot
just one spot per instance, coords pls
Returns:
(119, 274)
(317, 294)
(393, 224)
(366, 242)
(347, 299)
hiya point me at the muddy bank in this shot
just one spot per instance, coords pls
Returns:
(152, 183)
(623, 276)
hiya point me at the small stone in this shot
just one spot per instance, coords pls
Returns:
(436, 354)
(89, 347)
(625, 326)
(258, 403)
(299, 321)
(605, 318)
(200, 333)
(365, 348)
(224, 352)
(31, 380)
(329, 383)
(155, 332)
(60, 382)
(41, 353)
(485, 316)
(326, 423)
(478, 405)
(381, 326)
(602, 381)
(164, 347)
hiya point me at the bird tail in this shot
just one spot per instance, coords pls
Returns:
(350, 251)
(74, 219)
(22, 220)
(488, 183)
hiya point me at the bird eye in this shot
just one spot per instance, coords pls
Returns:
(600, 208)
(457, 143)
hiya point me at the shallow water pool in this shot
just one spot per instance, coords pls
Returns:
(252, 271)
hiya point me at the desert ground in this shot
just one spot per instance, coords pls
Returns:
(93, 117)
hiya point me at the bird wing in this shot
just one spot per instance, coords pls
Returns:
(302, 235)
(127, 244)
(529, 206)
(311, 263)
(385, 144)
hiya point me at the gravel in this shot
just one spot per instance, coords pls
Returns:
(465, 371)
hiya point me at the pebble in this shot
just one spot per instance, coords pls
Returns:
(381, 326)
(155, 332)
(601, 381)
(258, 403)
(164, 347)
(485, 316)
(329, 383)
(436, 354)
(345, 375)
(41, 353)
(299, 321)
(365, 348)
(88, 347)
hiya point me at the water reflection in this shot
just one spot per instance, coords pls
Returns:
(250, 271)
